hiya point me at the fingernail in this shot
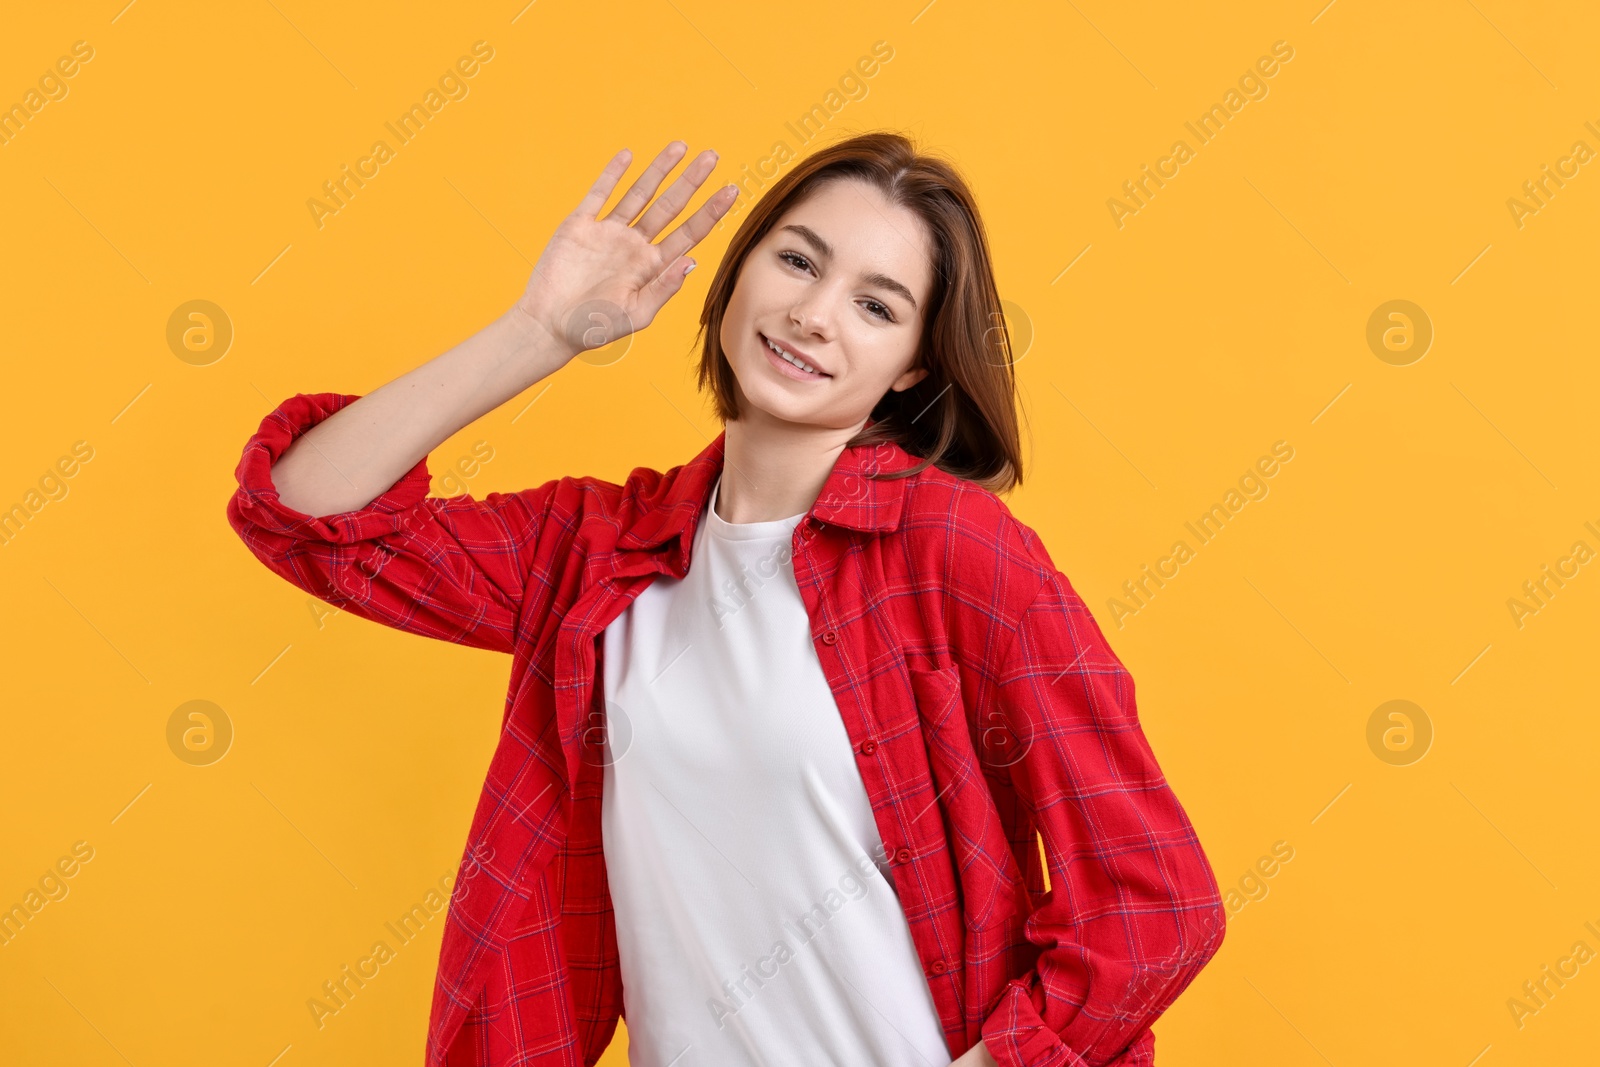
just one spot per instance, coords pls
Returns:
(692, 265)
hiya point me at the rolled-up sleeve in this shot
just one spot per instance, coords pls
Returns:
(452, 568)
(1133, 912)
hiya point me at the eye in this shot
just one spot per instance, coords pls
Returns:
(875, 307)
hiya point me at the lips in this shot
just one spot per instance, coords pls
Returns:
(768, 342)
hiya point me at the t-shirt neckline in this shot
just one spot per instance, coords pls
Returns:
(746, 531)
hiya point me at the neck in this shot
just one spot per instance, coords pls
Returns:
(773, 469)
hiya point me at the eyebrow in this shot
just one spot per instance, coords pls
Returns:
(824, 249)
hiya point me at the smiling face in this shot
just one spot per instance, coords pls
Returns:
(840, 283)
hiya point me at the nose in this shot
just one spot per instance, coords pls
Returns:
(810, 314)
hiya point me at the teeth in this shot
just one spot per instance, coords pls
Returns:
(798, 363)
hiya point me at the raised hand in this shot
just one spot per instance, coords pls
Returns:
(599, 279)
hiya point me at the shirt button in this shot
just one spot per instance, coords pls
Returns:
(903, 856)
(829, 637)
(868, 747)
(938, 967)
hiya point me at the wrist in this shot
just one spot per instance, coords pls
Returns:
(536, 346)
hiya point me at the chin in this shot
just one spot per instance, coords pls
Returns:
(781, 408)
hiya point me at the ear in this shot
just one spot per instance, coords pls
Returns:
(908, 379)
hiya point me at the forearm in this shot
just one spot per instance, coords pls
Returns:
(351, 457)
(976, 1056)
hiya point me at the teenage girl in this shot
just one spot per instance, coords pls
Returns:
(798, 729)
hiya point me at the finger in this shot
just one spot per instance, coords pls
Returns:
(662, 289)
(696, 226)
(639, 195)
(676, 198)
(600, 192)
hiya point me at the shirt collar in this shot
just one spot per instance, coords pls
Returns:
(849, 498)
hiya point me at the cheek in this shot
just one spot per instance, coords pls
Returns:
(882, 357)
(734, 326)
(741, 314)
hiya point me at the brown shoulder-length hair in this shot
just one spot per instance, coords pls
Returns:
(962, 417)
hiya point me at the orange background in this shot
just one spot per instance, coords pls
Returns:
(1439, 859)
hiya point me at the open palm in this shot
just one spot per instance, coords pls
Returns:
(599, 279)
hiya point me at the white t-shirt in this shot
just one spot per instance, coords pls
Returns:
(757, 921)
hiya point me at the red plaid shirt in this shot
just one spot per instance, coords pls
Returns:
(981, 699)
